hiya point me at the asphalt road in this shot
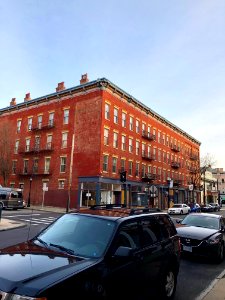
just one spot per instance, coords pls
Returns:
(194, 277)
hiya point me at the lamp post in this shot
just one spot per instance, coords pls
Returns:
(28, 202)
(204, 189)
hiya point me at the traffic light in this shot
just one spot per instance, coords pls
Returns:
(123, 176)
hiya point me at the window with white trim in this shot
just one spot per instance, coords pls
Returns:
(61, 183)
(123, 144)
(51, 119)
(115, 140)
(106, 136)
(131, 125)
(19, 125)
(16, 148)
(64, 139)
(116, 115)
(62, 164)
(47, 165)
(66, 116)
(124, 116)
(130, 145)
(29, 124)
(114, 164)
(107, 111)
(105, 163)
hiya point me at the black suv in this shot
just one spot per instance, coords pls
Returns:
(99, 253)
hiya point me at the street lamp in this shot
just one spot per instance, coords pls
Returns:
(28, 202)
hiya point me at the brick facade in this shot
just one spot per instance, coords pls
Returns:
(79, 139)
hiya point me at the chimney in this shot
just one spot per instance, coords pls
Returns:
(84, 79)
(13, 102)
(27, 97)
(60, 87)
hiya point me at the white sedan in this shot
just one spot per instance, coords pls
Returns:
(179, 209)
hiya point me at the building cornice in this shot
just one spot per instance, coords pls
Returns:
(102, 84)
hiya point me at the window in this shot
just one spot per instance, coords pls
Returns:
(130, 145)
(124, 119)
(39, 122)
(114, 164)
(167, 141)
(61, 183)
(131, 123)
(49, 142)
(107, 111)
(29, 124)
(143, 149)
(130, 170)
(149, 151)
(149, 169)
(154, 134)
(159, 155)
(25, 166)
(143, 128)
(137, 147)
(154, 153)
(143, 170)
(66, 116)
(137, 169)
(37, 143)
(51, 119)
(123, 145)
(105, 163)
(123, 162)
(137, 126)
(27, 147)
(62, 164)
(14, 163)
(16, 147)
(64, 139)
(106, 136)
(18, 125)
(47, 165)
(35, 165)
(115, 140)
(159, 137)
(116, 113)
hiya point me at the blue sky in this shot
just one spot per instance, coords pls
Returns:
(168, 54)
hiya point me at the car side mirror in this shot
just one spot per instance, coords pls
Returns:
(123, 251)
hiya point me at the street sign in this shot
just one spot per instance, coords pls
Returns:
(153, 189)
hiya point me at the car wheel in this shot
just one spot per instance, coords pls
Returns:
(220, 253)
(169, 283)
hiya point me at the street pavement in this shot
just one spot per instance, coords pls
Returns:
(215, 291)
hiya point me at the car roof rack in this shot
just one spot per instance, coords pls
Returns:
(123, 208)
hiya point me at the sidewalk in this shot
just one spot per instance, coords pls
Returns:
(215, 291)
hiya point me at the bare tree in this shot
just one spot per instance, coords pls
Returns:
(206, 161)
(5, 151)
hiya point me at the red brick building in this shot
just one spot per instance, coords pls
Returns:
(69, 147)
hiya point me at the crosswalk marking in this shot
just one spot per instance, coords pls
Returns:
(33, 219)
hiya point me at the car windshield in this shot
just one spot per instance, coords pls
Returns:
(79, 235)
(201, 221)
(177, 205)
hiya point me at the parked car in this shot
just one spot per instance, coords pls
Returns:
(179, 209)
(203, 234)
(207, 208)
(195, 207)
(216, 206)
(98, 253)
